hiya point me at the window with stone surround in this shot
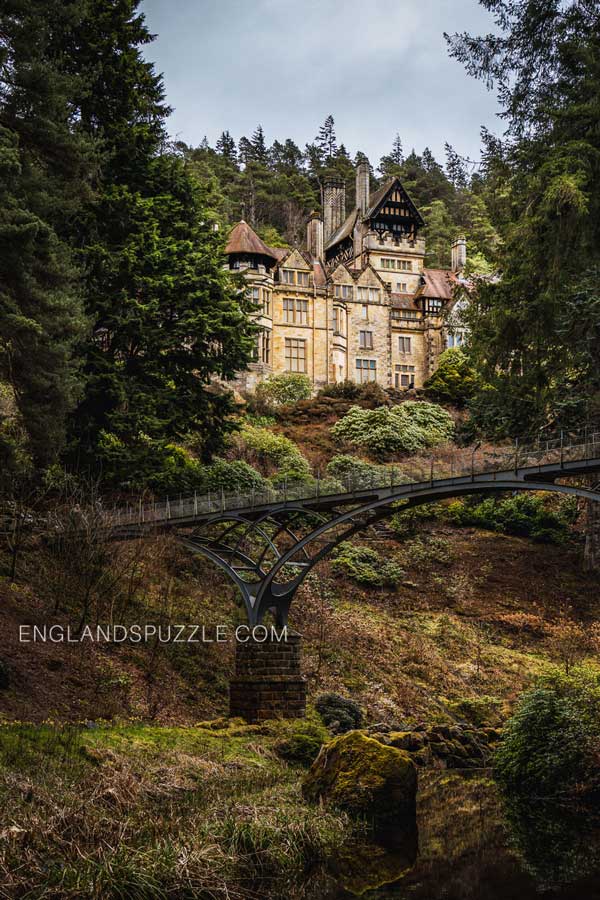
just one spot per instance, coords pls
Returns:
(369, 295)
(365, 340)
(402, 287)
(366, 370)
(302, 279)
(295, 311)
(338, 320)
(343, 291)
(288, 276)
(404, 344)
(266, 348)
(404, 377)
(295, 355)
(405, 314)
(403, 265)
(266, 302)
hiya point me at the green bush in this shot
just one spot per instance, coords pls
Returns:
(232, 476)
(524, 515)
(383, 431)
(551, 745)
(282, 390)
(353, 472)
(342, 390)
(454, 380)
(274, 454)
(340, 714)
(303, 743)
(365, 566)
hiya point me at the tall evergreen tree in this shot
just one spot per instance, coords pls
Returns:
(46, 165)
(166, 319)
(225, 147)
(326, 140)
(545, 62)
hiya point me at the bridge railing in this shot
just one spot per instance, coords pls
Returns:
(450, 463)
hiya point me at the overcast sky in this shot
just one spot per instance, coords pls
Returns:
(378, 66)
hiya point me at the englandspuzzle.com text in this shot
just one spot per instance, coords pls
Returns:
(140, 634)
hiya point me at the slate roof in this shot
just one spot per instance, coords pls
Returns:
(345, 230)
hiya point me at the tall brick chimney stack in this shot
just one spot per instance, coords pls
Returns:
(459, 254)
(314, 236)
(362, 186)
(334, 205)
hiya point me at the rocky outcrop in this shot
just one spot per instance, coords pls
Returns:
(364, 777)
(456, 746)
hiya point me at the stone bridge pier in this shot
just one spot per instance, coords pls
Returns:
(268, 681)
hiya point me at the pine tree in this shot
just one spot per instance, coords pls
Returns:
(259, 147)
(545, 61)
(397, 154)
(225, 147)
(326, 139)
(455, 168)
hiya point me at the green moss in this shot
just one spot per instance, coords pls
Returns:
(358, 774)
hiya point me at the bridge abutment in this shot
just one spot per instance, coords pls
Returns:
(268, 681)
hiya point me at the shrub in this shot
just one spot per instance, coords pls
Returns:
(382, 431)
(551, 743)
(234, 476)
(340, 714)
(282, 390)
(275, 454)
(365, 566)
(525, 515)
(454, 380)
(354, 473)
(342, 390)
(303, 743)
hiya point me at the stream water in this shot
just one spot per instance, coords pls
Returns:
(469, 844)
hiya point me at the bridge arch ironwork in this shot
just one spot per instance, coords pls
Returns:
(268, 544)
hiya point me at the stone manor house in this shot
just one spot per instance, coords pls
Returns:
(357, 304)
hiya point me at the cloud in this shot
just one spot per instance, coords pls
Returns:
(380, 67)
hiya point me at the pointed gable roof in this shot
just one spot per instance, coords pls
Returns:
(345, 230)
(382, 193)
(244, 240)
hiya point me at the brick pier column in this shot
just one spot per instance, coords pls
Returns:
(268, 681)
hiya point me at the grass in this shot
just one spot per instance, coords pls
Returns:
(151, 812)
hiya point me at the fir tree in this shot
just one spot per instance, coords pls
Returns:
(455, 168)
(225, 147)
(166, 319)
(326, 140)
(46, 167)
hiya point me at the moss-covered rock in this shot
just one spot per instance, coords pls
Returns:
(302, 744)
(358, 774)
(406, 740)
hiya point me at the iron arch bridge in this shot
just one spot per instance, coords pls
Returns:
(268, 542)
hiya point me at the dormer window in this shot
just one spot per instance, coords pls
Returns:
(302, 279)
(288, 276)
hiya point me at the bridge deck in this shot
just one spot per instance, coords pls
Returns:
(466, 472)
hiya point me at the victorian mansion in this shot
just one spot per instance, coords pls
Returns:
(357, 304)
